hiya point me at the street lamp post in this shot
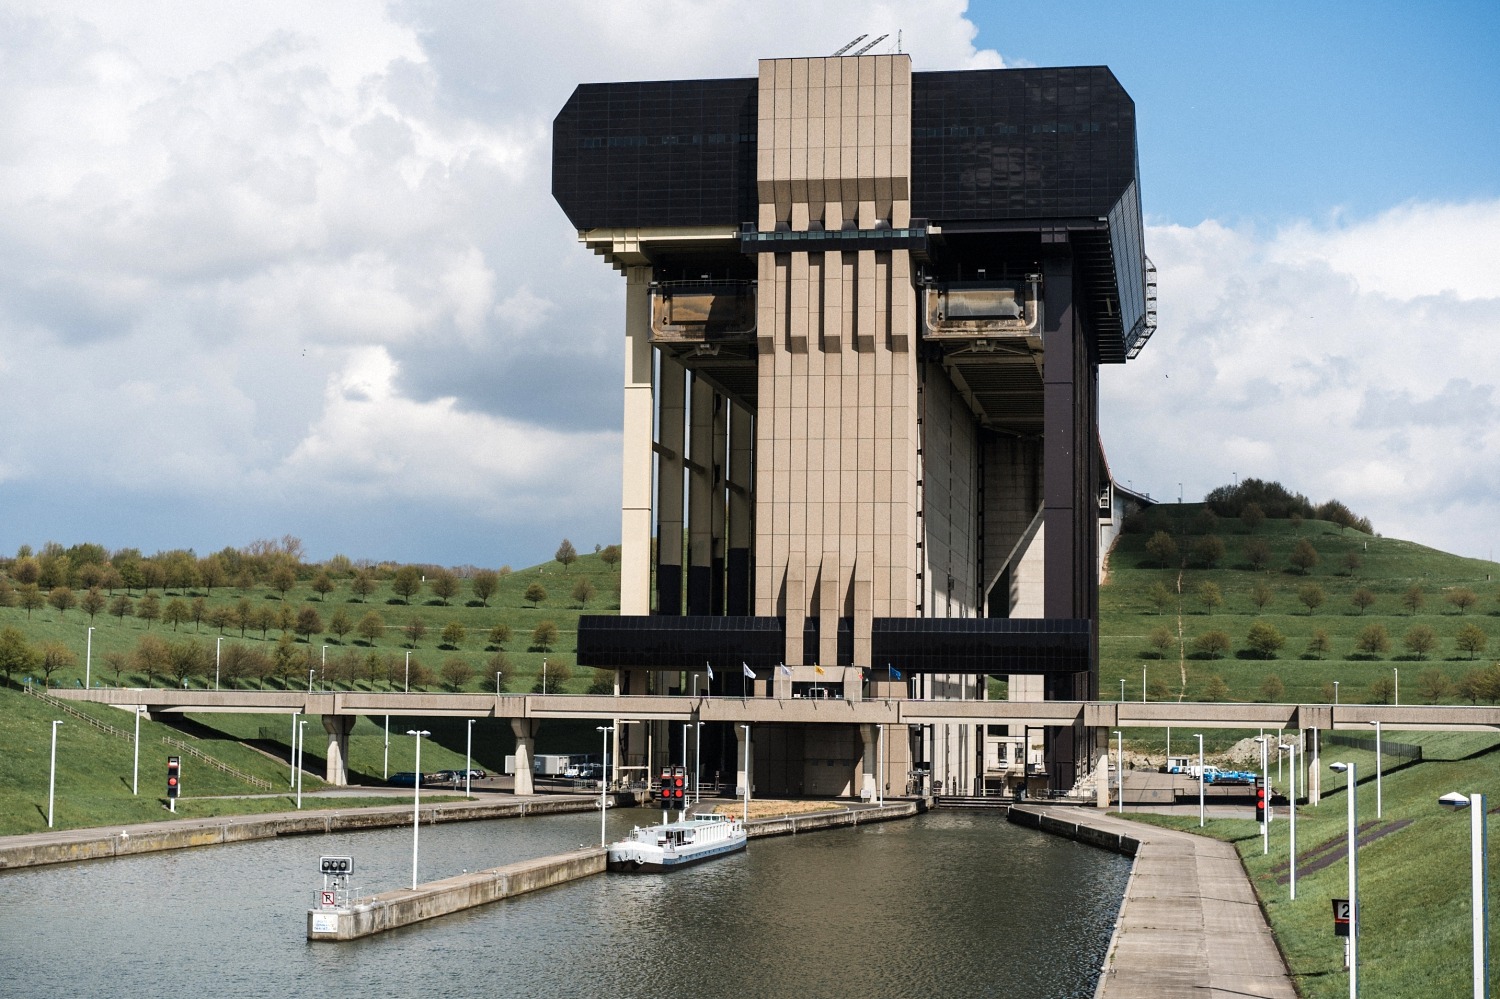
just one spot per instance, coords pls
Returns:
(292, 777)
(1143, 684)
(416, 796)
(1378, 770)
(310, 679)
(1396, 686)
(497, 683)
(1120, 767)
(135, 769)
(747, 771)
(406, 684)
(1199, 737)
(1335, 693)
(385, 766)
(1354, 916)
(1478, 880)
(301, 742)
(604, 731)
(468, 758)
(1291, 748)
(218, 645)
(1122, 690)
(52, 774)
(544, 681)
(88, 659)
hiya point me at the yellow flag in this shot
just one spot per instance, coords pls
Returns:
(818, 670)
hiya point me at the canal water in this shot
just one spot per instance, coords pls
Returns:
(949, 904)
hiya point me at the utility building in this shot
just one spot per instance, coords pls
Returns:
(865, 311)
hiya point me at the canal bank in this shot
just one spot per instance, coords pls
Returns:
(67, 846)
(364, 917)
(1190, 924)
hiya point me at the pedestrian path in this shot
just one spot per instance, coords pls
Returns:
(1190, 924)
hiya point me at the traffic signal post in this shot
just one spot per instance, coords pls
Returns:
(174, 781)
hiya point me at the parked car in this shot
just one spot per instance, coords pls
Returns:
(477, 775)
(405, 779)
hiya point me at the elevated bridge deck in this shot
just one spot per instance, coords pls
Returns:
(812, 711)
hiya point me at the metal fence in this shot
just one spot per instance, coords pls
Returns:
(1400, 750)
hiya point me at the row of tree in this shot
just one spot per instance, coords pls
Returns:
(189, 661)
(1210, 596)
(278, 564)
(1266, 641)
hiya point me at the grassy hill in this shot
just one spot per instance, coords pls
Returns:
(1348, 561)
(350, 662)
(94, 763)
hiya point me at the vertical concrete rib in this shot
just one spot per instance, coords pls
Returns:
(636, 447)
(700, 498)
(669, 486)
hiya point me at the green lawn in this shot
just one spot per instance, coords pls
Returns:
(1414, 873)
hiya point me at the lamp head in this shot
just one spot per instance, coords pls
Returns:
(1262, 739)
(1453, 800)
(1338, 767)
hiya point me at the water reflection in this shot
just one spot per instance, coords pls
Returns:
(951, 904)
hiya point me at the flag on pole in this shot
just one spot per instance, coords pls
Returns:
(818, 670)
(785, 669)
(748, 671)
(895, 673)
(710, 672)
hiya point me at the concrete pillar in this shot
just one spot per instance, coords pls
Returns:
(700, 499)
(738, 586)
(1101, 782)
(744, 772)
(636, 443)
(525, 730)
(864, 770)
(338, 728)
(670, 568)
(1312, 769)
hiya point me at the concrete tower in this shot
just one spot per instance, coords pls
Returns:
(865, 313)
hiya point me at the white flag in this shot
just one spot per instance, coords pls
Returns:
(748, 671)
(785, 669)
(710, 672)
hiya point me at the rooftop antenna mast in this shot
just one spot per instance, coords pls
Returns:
(870, 45)
(851, 45)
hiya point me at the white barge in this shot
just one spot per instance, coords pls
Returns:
(671, 845)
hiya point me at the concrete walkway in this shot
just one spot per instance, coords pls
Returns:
(1190, 924)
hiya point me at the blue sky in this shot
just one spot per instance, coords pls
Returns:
(1268, 112)
(293, 268)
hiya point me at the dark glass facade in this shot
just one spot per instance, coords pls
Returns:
(919, 645)
(673, 153)
(1008, 144)
(982, 645)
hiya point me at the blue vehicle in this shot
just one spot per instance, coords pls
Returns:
(407, 779)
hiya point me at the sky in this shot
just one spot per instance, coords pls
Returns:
(294, 269)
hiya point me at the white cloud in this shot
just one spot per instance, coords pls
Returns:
(289, 257)
(1356, 360)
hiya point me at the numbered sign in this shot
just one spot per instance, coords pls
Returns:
(1341, 917)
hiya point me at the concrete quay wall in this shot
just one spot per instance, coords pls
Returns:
(789, 825)
(1070, 828)
(389, 910)
(38, 849)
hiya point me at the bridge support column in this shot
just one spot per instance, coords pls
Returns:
(864, 779)
(525, 730)
(1101, 782)
(744, 775)
(1312, 769)
(338, 728)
